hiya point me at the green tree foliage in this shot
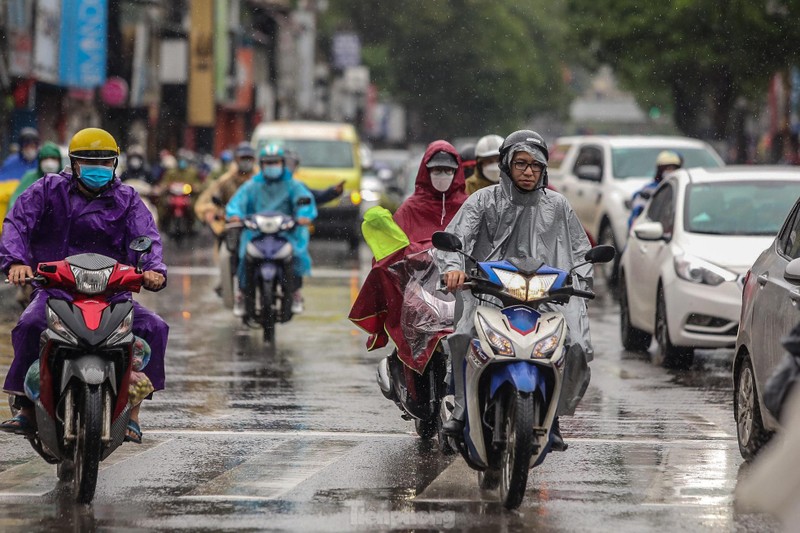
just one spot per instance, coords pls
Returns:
(691, 57)
(462, 67)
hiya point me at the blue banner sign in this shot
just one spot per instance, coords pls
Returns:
(82, 48)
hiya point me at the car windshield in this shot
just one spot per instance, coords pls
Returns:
(317, 154)
(739, 208)
(632, 162)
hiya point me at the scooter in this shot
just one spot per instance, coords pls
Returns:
(426, 318)
(85, 365)
(269, 273)
(514, 368)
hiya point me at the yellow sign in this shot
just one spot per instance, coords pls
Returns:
(201, 111)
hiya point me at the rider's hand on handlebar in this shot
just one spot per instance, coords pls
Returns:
(454, 279)
(152, 280)
(234, 219)
(17, 274)
(303, 221)
(210, 216)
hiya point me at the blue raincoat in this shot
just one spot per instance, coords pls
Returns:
(281, 195)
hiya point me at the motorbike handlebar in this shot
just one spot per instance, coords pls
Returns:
(28, 280)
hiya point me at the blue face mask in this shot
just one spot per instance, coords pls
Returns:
(273, 172)
(95, 176)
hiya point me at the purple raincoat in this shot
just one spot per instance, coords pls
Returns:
(52, 220)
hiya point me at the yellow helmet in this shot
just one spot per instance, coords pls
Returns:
(93, 143)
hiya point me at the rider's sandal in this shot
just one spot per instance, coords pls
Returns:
(134, 428)
(19, 425)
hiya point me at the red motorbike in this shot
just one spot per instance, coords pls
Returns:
(85, 364)
(179, 219)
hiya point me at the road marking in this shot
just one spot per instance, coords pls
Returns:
(321, 273)
(274, 473)
(278, 433)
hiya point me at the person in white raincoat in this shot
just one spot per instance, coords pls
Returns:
(521, 219)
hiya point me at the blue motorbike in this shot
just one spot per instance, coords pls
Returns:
(514, 368)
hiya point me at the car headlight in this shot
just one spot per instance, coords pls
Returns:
(55, 324)
(522, 288)
(546, 346)
(122, 330)
(499, 343)
(91, 281)
(697, 270)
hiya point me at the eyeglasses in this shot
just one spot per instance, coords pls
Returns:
(520, 166)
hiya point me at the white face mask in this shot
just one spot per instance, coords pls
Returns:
(30, 154)
(50, 166)
(441, 180)
(492, 172)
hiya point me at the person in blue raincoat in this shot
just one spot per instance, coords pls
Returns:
(274, 189)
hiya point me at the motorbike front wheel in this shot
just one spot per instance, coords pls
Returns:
(88, 444)
(522, 414)
(267, 311)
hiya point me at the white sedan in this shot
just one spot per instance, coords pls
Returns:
(682, 269)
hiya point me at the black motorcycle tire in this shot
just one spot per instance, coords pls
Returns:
(88, 445)
(489, 479)
(520, 417)
(426, 429)
(268, 317)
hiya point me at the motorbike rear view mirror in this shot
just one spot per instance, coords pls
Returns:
(446, 242)
(304, 200)
(217, 201)
(603, 253)
(142, 244)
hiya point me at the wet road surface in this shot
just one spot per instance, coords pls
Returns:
(299, 438)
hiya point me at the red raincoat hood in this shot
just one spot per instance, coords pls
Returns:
(424, 213)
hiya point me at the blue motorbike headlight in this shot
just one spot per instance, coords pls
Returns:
(499, 343)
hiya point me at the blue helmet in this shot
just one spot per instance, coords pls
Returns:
(226, 156)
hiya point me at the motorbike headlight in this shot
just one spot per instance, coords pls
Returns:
(514, 284)
(697, 270)
(268, 224)
(55, 324)
(91, 281)
(539, 286)
(499, 343)
(546, 346)
(187, 189)
(122, 330)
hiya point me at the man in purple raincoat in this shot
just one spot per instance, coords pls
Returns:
(88, 210)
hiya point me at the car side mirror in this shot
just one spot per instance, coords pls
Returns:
(649, 231)
(446, 242)
(603, 253)
(792, 272)
(589, 172)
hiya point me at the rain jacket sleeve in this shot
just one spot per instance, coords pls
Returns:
(141, 224)
(18, 225)
(465, 225)
(240, 205)
(307, 211)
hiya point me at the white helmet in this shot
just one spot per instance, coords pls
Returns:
(488, 146)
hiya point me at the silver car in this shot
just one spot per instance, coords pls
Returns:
(769, 311)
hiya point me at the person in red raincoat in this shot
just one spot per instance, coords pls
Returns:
(438, 194)
(437, 197)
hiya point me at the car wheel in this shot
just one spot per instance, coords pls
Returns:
(750, 430)
(608, 272)
(668, 355)
(633, 338)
